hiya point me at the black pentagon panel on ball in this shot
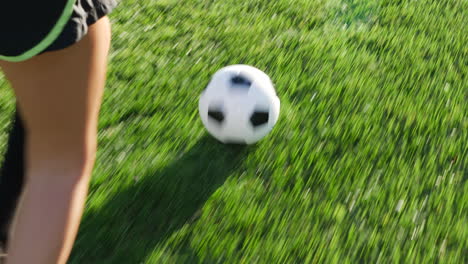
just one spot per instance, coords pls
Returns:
(240, 81)
(259, 118)
(217, 115)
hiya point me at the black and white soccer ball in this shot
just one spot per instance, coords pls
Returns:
(239, 105)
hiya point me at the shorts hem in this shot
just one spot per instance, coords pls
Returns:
(78, 26)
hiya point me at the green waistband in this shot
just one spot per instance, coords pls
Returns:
(49, 39)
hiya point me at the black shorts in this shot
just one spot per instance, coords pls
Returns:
(42, 26)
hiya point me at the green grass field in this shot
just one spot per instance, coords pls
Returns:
(368, 162)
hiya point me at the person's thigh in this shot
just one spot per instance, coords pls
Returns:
(59, 93)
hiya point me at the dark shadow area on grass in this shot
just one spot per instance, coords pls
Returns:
(129, 226)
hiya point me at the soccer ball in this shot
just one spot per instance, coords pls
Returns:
(239, 105)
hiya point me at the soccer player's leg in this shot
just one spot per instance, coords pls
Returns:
(59, 100)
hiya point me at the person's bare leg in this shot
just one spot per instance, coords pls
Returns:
(59, 95)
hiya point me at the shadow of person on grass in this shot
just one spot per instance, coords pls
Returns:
(129, 226)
